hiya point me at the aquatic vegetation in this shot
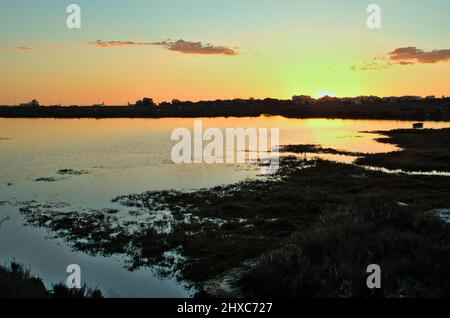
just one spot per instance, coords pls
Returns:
(87, 230)
(49, 179)
(217, 231)
(72, 172)
(301, 149)
(62, 172)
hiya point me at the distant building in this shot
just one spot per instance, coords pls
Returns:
(430, 97)
(33, 103)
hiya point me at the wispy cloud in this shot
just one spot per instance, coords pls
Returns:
(181, 46)
(24, 48)
(101, 43)
(16, 49)
(375, 64)
(403, 56)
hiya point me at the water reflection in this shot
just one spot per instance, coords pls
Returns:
(123, 156)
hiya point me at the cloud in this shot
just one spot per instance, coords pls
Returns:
(403, 56)
(187, 47)
(180, 46)
(414, 55)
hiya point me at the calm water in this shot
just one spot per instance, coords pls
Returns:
(128, 156)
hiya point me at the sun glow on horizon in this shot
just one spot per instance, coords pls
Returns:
(325, 93)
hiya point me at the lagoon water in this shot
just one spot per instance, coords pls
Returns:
(125, 156)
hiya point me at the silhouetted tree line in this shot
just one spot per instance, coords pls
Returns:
(145, 102)
(364, 107)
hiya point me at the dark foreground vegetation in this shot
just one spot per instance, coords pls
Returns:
(310, 231)
(303, 107)
(17, 282)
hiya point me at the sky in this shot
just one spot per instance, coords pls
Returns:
(211, 49)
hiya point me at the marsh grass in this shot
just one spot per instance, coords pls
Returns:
(423, 150)
(329, 259)
(16, 281)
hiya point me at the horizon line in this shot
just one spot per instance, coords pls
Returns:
(232, 99)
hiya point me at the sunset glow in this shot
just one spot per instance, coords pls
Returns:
(221, 50)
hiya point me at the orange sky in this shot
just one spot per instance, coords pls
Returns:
(266, 50)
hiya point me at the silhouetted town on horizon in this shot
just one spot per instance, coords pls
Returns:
(299, 106)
